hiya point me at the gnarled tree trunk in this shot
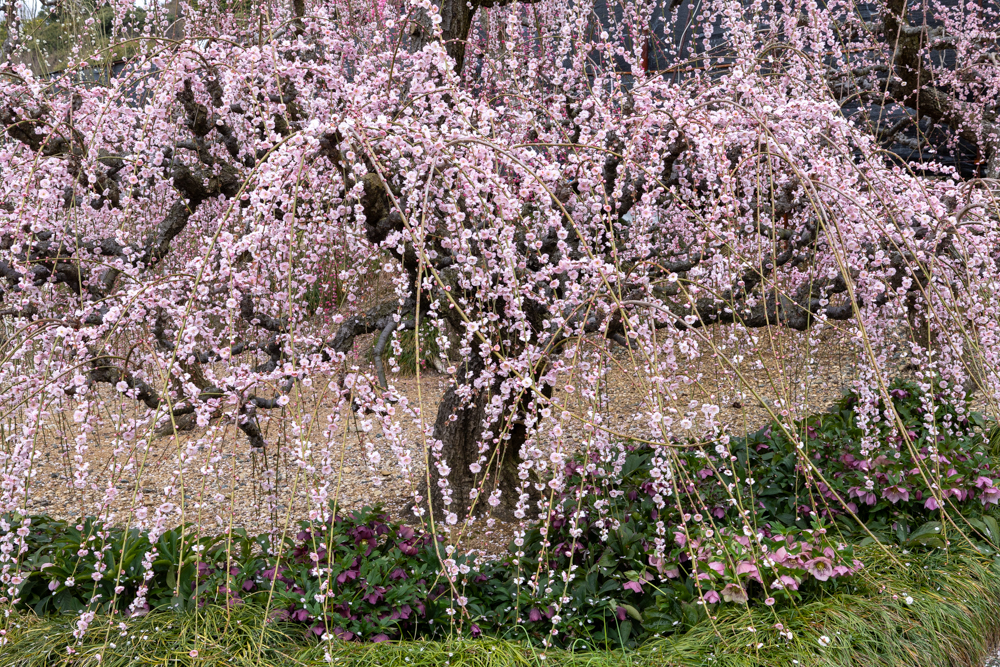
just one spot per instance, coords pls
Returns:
(459, 426)
(456, 20)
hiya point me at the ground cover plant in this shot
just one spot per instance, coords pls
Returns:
(248, 220)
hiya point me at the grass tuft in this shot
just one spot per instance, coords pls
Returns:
(952, 620)
(407, 360)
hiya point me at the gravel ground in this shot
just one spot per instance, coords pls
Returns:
(231, 493)
(994, 661)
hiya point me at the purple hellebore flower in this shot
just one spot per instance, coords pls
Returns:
(632, 586)
(990, 495)
(347, 574)
(896, 493)
(983, 482)
(657, 562)
(820, 567)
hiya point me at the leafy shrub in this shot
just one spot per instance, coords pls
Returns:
(637, 567)
(356, 576)
(359, 576)
(835, 469)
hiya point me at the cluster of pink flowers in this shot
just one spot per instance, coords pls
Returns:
(779, 564)
(163, 237)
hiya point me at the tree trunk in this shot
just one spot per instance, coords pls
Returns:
(459, 426)
(456, 20)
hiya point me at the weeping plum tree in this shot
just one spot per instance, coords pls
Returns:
(527, 176)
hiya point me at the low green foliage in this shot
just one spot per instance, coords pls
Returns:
(796, 545)
(908, 609)
(381, 580)
(621, 590)
(825, 469)
(950, 619)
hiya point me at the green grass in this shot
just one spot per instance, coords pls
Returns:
(407, 360)
(953, 620)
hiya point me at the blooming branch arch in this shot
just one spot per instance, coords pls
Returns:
(161, 236)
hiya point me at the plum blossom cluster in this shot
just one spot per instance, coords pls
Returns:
(206, 240)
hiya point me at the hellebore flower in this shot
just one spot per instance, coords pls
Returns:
(896, 493)
(821, 568)
(632, 586)
(734, 593)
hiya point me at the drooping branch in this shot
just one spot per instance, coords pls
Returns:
(105, 372)
(56, 260)
(456, 20)
(263, 320)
